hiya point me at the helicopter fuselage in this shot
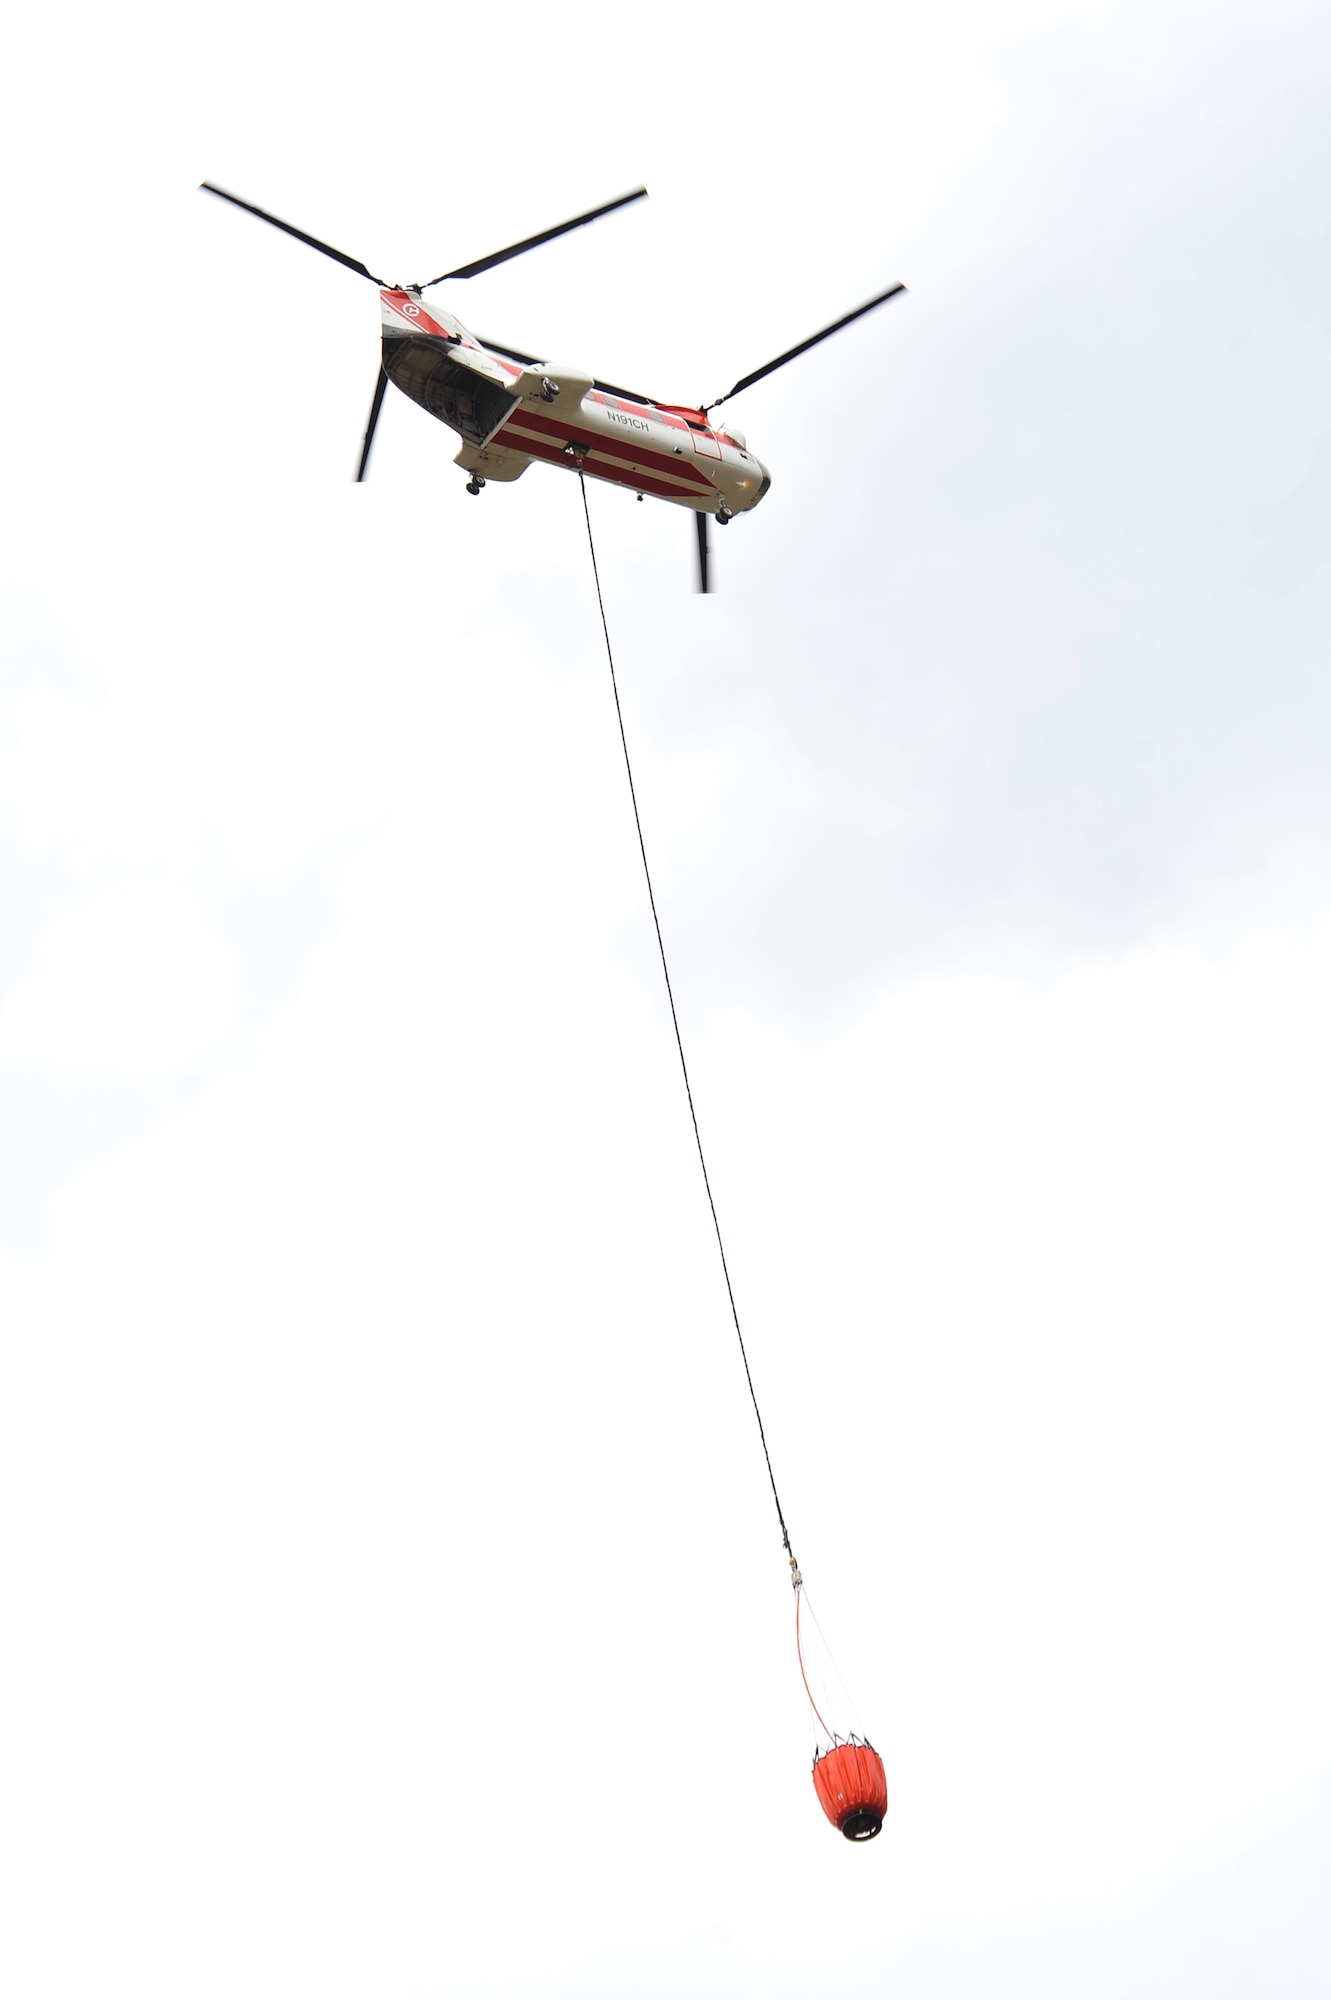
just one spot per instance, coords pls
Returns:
(509, 411)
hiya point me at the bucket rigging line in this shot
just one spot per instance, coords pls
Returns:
(796, 1579)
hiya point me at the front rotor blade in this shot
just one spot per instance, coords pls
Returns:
(534, 242)
(375, 408)
(703, 583)
(747, 381)
(338, 256)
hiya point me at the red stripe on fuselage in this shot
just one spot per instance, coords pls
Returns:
(631, 450)
(614, 473)
(415, 315)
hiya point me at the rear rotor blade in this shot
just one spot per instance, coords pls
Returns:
(375, 408)
(513, 353)
(531, 360)
(300, 235)
(703, 583)
(532, 242)
(747, 381)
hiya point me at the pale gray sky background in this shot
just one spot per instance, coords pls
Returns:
(393, 1600)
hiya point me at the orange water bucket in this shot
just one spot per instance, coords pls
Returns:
(852, 1789)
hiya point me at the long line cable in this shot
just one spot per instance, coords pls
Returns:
(679, 1040)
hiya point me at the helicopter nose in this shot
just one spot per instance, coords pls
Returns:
(762, 481)
(751, 485)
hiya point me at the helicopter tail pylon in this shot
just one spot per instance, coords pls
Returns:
(404, 301)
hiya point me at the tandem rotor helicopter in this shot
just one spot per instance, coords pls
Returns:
(510, 408)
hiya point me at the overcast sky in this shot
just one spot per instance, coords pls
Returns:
(394, 1600)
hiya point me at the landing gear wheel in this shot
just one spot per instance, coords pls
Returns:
(474, 485)
(723, 517)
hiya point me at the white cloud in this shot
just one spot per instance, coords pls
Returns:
(130, 987)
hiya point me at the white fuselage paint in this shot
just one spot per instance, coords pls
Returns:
(522, 412)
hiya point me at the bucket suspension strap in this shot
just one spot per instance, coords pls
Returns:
(799, 1649)
(679, 1044)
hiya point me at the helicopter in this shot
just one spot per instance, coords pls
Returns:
(510, 408)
